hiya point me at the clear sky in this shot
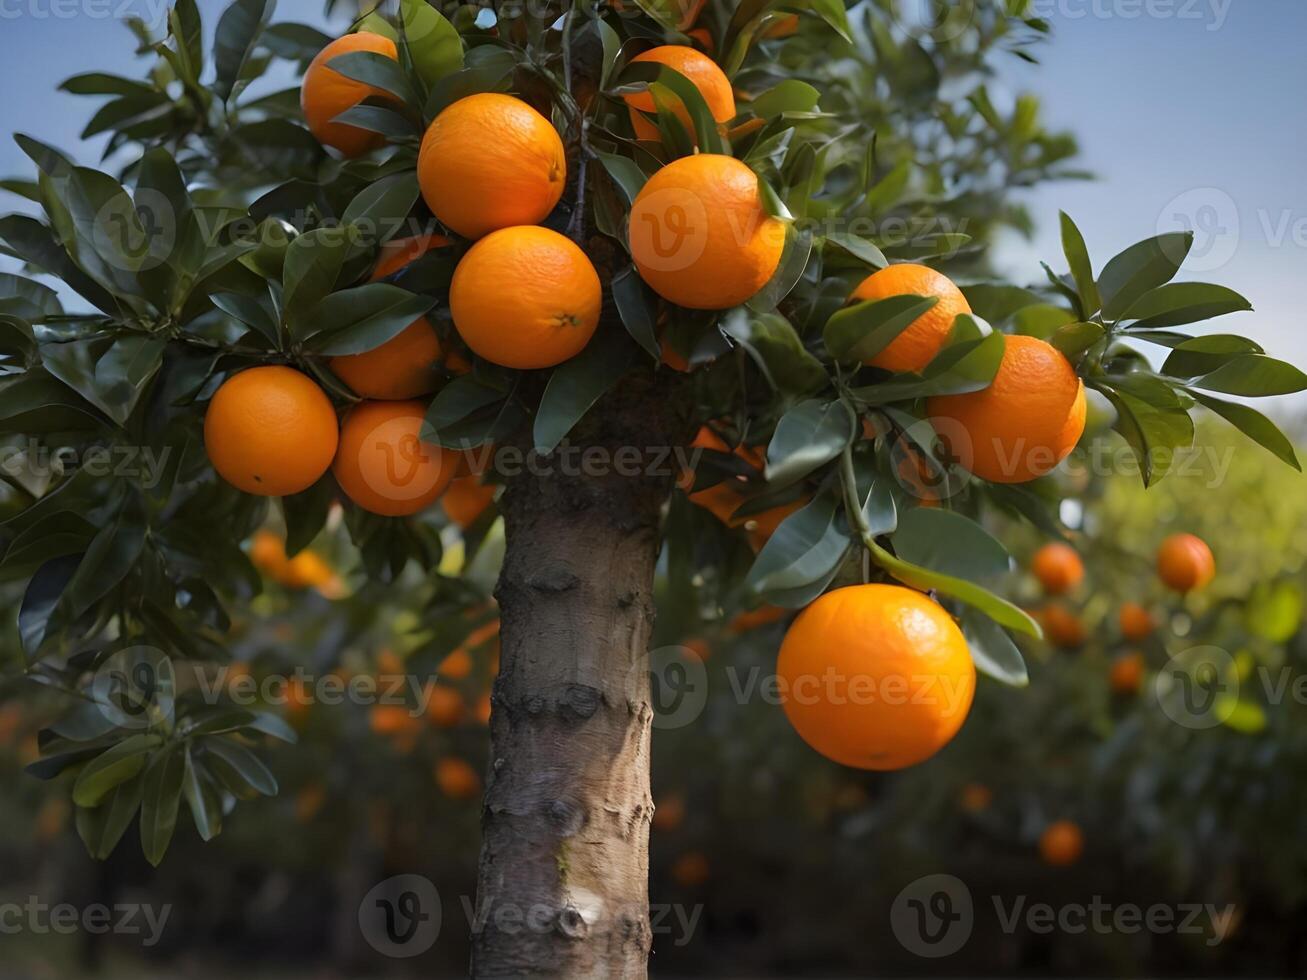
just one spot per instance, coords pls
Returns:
(1191, 112)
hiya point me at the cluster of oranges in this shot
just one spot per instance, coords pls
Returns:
(1184, 564)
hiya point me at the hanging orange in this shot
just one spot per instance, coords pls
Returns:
(916, 346)
(1058, 568)
(326, 93)
(1185, 563)
(702, 72)
(387, 464)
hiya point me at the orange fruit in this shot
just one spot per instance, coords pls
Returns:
(326, 93)
(467, 499)
(1061, 843)
(444, 706)
(482, 711)
(876, 676)
(1185, 563)
(268, 554)
(1058, 568)
(1136, 622)
(691, 869)
(525, 297)
(386, 464)
(411, 363)
(309, 570)
(754, 618)
(270, 431)
(702, 72)
(490, 161)
(700, 236)
(1025, 423)
(457, 779)
(669, 812)
(392, 719)
(703, 37)
(1062, 627)
(916, 346)
(976, 797)
(1127, 673)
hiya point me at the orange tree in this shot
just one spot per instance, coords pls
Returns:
(594, 254)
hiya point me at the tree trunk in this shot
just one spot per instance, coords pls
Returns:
(563, 880)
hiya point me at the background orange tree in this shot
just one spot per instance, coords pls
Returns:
(229, 238)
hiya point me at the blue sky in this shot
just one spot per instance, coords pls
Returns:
(1189, 111)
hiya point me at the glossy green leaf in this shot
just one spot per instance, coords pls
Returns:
(808, 436)
(1141, 268)
(861, 331)
(113, 767)
(577, 384)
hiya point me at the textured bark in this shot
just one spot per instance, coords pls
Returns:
(563, 881)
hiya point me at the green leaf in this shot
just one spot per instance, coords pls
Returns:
(237, 35)
(1253, 424)
(859, 248)
(380, 209)
(433, 45)
(363, 318)
(889, 189)
(204, 806)
(160, 800)
(636, 307)
(102, 827)
(577, 384)
(626, 174)
(112, 768)
(239, 769)
(808, 436)
(40, 600)
(378, 119)
(1073, 245)
(294, 42)
(672, 90)
(993, 606)
(802, 556)
(861, 331)
(1141, 268)
(27, 298)
(378, 71)
(313, 261)
(1153, 428)
(306, 514)
(1073, 339)
(1193, 356)
(949, 542)
(113, 375)
(959, 368)
(1179, 303)
(185, 26)
(790, 95)
(1254, 375)
(110, 557)
(99, 83)
(774, 346)
(992, 650)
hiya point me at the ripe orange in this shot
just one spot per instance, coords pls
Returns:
(270, 431)
(1061, 843)
(490, 161)
(385, 463)
(1025, 423)
(525, 297)
(444, 706)
(702, 72)
(876, 676)
(754, 618)
(1185, 563)
(1127, 673)
(976, 797)
(1058, 568)
(268, 554)
(457, 779)
(326, 93)
(691, 869)
(411, 363)
(456, 665)
(309, 570)
(467, 499)
(669, 812)
(1136, 622)
(700, 236)
(916, 346)
(1062, 627)
(392, 719)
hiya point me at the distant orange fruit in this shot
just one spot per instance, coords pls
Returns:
(444, 706)
(1061, 843)
(976, 797)
(669, 812)
(754, 618)
(392, 719)
(699, 233)
(702, 72)
(326, 93)
(1185, 563)
(1025, 423)
(490, 161)
(1062, 627)
(691, 869)
(525, 298)
(916, 346)
(876, 676)
(270, 431)
(1136, 622)
(1127, 673)
(411, 363)
(457, 779)
(467, 499)
(268, 553)
(1058, 568)
(456, 665)
(309, 570)
(482, 712)
(386, 464)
